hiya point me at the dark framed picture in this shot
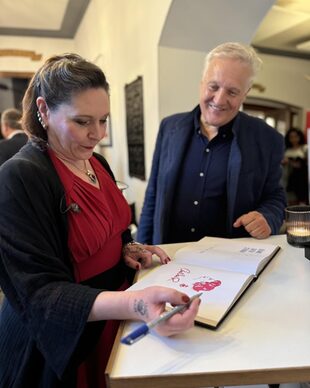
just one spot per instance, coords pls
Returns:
(135, 128)
(107, 140)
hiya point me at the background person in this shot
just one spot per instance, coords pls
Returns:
(295, 164)
(216, 170)
(64, 240)
(13, 135)
(13, 138)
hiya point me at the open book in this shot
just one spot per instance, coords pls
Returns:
(221, 270)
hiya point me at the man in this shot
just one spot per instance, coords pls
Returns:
(216, 170)
(14, 136)
(14, 139)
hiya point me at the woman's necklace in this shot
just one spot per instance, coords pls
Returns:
(91, 176)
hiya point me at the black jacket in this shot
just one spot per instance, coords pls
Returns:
(9, 147)
(44, 332)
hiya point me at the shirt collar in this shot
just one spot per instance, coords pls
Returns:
(16, 132)
(224, 130)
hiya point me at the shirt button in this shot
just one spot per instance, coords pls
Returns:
(195, 202)
(193, 229)
(207, 150)
(201, 174)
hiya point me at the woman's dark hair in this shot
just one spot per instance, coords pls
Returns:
(300, 134)
(57, 81)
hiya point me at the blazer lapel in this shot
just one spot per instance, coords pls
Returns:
(180, 138)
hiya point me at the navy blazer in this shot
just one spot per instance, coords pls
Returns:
(253, 175)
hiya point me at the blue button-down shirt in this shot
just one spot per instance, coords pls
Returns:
(200, 198)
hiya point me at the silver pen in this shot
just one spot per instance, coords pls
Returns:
(144, 329)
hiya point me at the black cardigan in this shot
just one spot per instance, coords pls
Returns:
(44, 332)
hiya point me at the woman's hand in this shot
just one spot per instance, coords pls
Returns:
(145, 305)
(149, 303)
(139, 256)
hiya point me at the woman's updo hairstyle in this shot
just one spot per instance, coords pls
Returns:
(59, 79)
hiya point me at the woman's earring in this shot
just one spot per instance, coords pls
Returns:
(41, 120)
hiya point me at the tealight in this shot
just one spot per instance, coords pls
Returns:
(298, 225)
(299, 231)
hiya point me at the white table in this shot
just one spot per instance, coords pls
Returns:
(264, 339)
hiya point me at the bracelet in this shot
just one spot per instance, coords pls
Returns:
(133, 242)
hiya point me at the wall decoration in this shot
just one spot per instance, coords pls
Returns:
(20, 53)
(107, 140)
(135, 128)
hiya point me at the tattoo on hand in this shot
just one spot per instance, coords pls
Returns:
(133, 249)
(140, 307)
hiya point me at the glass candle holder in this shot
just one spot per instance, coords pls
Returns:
(298, 225)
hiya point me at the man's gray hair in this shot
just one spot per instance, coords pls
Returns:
(235, 50)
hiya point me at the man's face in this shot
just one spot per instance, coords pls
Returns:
(223, 90)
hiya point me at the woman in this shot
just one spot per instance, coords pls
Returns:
(64, 241)
(295, 164)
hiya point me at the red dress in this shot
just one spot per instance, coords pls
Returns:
(95, 243)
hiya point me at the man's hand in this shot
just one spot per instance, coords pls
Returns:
(255, 224)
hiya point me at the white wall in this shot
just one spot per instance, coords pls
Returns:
(179, 78)
(6, 96)
(284, 80)
(44, 46)
(201, 25)
(124, 37)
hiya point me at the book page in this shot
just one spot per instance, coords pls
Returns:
(246, 257)
(220, 288)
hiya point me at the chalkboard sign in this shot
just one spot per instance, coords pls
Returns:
(135, 128)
